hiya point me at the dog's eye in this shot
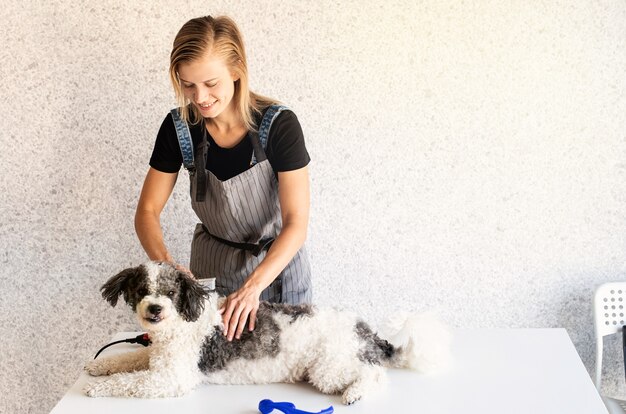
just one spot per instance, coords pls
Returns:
(170, 293)
(142, 292)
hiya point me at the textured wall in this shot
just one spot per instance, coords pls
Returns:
(467, 156)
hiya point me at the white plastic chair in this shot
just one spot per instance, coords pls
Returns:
(609, 311)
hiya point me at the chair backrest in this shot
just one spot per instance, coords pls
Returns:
(609, 308)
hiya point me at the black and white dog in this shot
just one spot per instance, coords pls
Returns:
(333, 350)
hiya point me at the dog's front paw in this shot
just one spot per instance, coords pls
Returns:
(98, 368)
(350, 396)
(95, 389)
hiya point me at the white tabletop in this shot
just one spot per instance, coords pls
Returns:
(525, 371)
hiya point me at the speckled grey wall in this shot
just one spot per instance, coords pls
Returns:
(468, 157)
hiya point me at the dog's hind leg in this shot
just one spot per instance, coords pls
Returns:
(371, 377)
(126, 362)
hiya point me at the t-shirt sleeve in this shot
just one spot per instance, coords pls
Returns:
(166, 156)
(286, 149)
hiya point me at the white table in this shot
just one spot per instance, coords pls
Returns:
(507, 371)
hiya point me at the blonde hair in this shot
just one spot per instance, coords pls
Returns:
(219, 36)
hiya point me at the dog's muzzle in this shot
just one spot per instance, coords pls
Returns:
(154, 314)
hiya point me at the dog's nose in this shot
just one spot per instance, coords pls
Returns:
(155, 309)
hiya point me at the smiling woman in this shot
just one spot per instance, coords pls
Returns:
(213, 49)
(247, 164)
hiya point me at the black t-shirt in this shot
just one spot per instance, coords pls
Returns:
(285, 149)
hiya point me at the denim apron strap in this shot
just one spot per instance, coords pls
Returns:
(184, 139)
(186, 150)
(264, 130)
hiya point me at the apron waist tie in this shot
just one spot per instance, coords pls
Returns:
(253, 248)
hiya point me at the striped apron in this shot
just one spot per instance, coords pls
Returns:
(240, 218)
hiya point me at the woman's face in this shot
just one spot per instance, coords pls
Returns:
(209, 85)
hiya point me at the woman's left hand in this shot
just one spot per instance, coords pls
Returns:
(238, 307)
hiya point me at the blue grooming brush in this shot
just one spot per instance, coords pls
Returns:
(267, 406)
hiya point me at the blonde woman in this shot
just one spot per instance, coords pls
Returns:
(249, 184)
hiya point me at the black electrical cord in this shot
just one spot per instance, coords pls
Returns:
(143, 339)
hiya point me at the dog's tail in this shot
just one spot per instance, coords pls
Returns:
(421, 342)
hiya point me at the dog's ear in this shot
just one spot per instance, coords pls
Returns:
(118, 285)
(191, 297)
